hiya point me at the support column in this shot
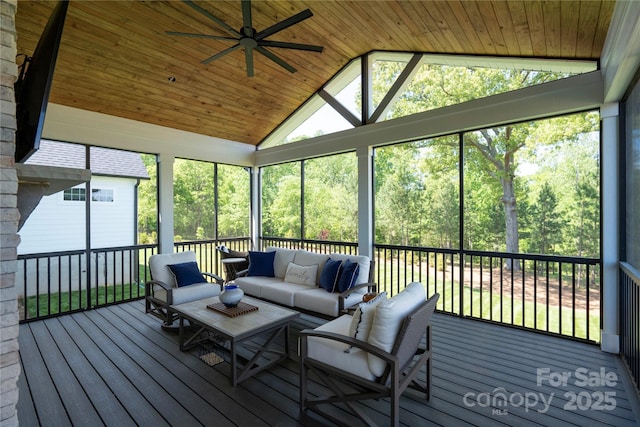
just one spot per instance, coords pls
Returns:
(165, 203)
(365, 201)
(609, 115)
(9, 217)
(256, 207)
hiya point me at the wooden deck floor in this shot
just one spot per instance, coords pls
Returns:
(115, 366)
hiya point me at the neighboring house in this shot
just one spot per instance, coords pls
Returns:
(58, 222)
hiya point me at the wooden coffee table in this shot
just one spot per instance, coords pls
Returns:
(270, 320)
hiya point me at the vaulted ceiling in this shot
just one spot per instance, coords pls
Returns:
(116, 58)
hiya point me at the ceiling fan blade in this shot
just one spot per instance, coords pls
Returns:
(275, 59)
(248, 53)
(286, 45)
(284, 24)
(213, 18)
(247, 26)
(204, 36)
(219, 54)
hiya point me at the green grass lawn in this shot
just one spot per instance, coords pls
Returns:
(62, 302)
(489, 306)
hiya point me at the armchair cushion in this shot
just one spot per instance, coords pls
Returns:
(333, 352)
(329, 275)
(186, 273)
(261, 263)
(195, 292)
(158, 265)
(388, 319)
(363, 317)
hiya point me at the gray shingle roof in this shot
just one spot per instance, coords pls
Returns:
(104, 161)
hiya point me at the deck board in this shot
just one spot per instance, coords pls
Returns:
(115, 366)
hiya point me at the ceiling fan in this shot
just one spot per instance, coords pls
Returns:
(250, 39)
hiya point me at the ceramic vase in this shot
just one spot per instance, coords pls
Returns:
(231, 295)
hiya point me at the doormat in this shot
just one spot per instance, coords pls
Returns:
(212, 350)
(211, 358)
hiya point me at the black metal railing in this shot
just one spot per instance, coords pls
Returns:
(207, 255)
(320, 246)
(550, 294)
(629, 302)
(56, 283)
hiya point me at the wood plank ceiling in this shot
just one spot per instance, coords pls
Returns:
(116, 59)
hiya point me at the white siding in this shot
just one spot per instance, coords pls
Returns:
(113, 223)
(59, 225)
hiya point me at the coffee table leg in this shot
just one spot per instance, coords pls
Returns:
(251, 367)
(234, 374)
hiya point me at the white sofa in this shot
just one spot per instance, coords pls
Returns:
(307, 297)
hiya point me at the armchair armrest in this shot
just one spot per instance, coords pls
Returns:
(148, 286)
(242, 273)
(219, 280)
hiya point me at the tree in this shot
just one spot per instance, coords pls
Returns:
(194, 198)
(147, 202)
(495, 150)
(234, 186)
(547, 221)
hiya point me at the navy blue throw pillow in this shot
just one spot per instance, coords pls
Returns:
(186, 273)
(329, 275)
(261, 263)
(348, 276)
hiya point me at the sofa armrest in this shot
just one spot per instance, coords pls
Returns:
(344, 295)
(242, 273)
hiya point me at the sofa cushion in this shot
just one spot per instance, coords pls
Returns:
(388, 319)
(282, 260)
(333, 352)
(301, 274)
(363, 262)
(186, 273)
(348, 276)
(261, 263)
(253, 285)
(283, 292)
(311, 258)
(329, 275)
(363, 317)
(323, 302)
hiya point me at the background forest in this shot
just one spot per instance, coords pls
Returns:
(526, 188)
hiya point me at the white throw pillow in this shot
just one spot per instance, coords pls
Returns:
(311, 258)
(300, 274)
(388, 319)
(362, 319)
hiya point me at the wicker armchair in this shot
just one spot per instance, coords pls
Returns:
(232, 270)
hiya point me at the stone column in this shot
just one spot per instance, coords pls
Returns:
(9, 216)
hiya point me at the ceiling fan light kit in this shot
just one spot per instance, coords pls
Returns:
(251, 40)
